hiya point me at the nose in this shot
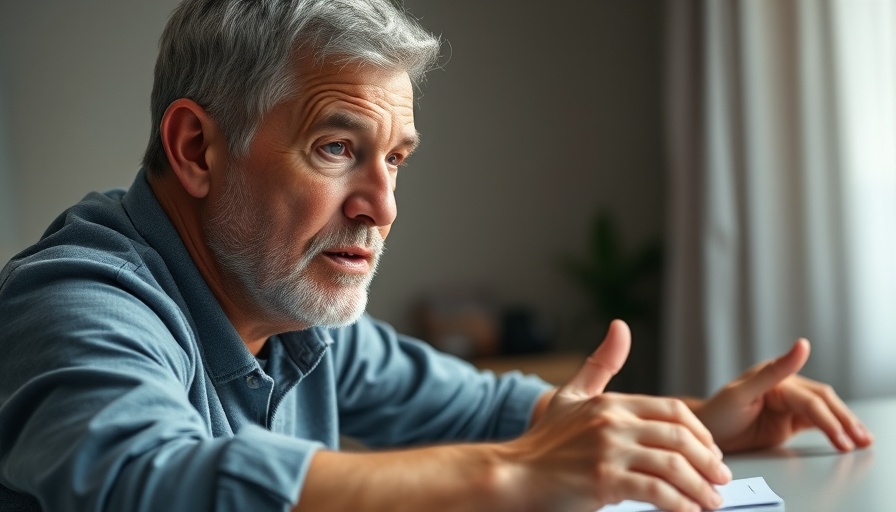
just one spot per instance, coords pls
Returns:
(372, 200)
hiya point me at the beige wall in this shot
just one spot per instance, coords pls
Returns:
(545, 112)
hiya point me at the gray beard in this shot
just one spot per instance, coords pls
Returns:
(272, 284)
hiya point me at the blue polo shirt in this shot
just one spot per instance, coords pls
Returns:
(123, 385)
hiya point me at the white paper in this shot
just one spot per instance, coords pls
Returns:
(744, 492)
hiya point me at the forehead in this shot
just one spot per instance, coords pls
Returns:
(379, 95)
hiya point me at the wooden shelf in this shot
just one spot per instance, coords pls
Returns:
(554, 367)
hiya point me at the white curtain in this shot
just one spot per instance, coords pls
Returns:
(782, 223)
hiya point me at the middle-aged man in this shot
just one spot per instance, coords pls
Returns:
(198, 342)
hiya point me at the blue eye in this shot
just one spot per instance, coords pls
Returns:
(334, 148)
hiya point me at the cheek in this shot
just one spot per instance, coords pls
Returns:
(302, 211)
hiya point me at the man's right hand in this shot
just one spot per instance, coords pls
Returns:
(591, 448)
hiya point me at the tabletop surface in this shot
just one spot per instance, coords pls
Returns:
(812, 476)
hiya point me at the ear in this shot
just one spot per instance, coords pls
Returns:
(194, 145)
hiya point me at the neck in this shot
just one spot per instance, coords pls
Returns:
(185, 211)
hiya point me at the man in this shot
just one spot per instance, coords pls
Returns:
(198, 342)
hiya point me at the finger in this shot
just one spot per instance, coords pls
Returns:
(848, 421)
(669, 410)
(822, 408)
(673, 437)
(802, 401)
(604, 363)
(773, 372)
(673, 468)
(644, 487)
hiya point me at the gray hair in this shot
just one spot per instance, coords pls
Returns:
(234, 57)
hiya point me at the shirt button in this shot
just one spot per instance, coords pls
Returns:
(253, 382)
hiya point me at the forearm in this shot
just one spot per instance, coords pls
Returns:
(463, 477)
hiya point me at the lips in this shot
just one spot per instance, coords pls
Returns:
(350, 252)
(350, 259)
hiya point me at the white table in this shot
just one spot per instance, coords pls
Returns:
(812, 476)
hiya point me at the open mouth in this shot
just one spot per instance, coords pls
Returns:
(346, 255)
(349, 261)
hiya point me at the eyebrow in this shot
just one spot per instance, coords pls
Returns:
(346, 121)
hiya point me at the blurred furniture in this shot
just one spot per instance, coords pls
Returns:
(554, 367)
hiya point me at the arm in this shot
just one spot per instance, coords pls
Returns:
(463, 477)
(394, 390)
(95, 411)
(587, 449)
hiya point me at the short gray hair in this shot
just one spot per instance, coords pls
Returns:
(234, 57)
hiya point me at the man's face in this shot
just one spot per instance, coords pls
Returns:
(298, 225)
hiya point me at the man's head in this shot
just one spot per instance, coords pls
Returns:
(235, 57)
(285, 123)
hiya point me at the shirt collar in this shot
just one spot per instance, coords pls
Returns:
(225, 354)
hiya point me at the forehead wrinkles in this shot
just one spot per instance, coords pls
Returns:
(383, 106)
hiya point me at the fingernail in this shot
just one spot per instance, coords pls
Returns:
(725, 472)
(717, 451)
(860, 431)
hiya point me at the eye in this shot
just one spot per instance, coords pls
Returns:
(394, 159)
(334, 148)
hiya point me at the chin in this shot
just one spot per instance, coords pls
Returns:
(334, 309)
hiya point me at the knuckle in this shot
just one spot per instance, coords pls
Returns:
(816, 404)
(827, 391)
(677, 407)
(677, 434)
(654, 488)
(605, 433)
(675, 463)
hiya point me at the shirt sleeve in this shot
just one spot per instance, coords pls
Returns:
(95, 409)
(394, 390)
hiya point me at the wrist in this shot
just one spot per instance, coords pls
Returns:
(518, 483)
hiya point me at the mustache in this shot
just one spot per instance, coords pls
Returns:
(347, 234)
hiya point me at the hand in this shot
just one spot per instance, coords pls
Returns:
(591, 448)
(769, 403)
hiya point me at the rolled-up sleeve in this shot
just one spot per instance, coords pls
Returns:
(395, 390)
(96, 411)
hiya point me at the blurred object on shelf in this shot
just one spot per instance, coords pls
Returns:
(463, 321)
(523, 332)
(554, 367)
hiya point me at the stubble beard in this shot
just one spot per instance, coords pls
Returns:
(269, 280)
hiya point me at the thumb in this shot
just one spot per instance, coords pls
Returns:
(604, 363)
(772, 372)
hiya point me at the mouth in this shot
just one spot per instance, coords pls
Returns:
(354, 260)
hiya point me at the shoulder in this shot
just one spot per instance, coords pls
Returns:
(90, 285)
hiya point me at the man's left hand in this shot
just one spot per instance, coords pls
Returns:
(769, 403)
